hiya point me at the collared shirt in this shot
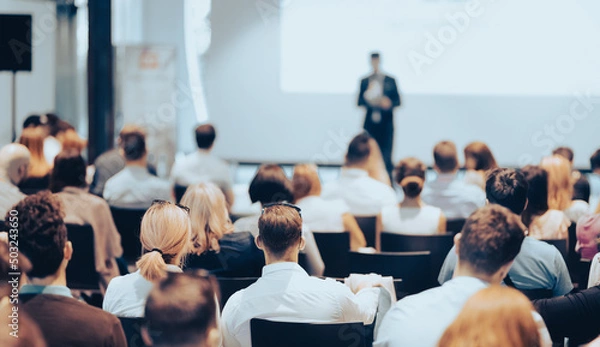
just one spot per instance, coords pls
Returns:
(323, 215)
(126, 295)
(9, 196)
(107, 165)
(201, 166)
(135, 187)
(456, 198)
(35, 289)
(363, 195)
(537, 266)
(422, 220)
(285, 292)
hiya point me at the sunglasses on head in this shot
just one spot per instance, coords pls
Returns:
(165, 202)
(286, 204)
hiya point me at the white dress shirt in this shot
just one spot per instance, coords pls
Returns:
(323, 215)
(135, 187)
(363, 195)
(285, 292)
(9, 196)
(577, 209)
(456, 198)
(201, 166)
(422, 220)
(126, 295)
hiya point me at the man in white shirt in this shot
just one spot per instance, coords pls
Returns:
(134, 186)
(202, 166)
(364, 195)
(487, 246)
(285, 292)
(14, 164)
(456, 198)
(594, 179)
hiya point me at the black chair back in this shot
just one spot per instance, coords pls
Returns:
(583, 271)
(133, 331)
(439, 246)
(368, 225)
(334, 248)
(561, 245)
(128, 222)
(179, 192)
(455, 225)
(265, 333)
(412, 267)
(230, 285)
(81, 271)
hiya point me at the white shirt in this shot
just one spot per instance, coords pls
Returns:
(594, 180)
(423, 220)
(323, 215)
(456, 198)
(552, 225)
(286, 293)
(201, 166)
(51, 149)
(135, 187)
(577, 209)
(594, 279)
(126, 295)
(9, 196)
(363, 195)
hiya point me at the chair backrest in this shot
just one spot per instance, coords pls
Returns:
(230, 285)
(412, 267)
(133, 331)
(439, 246)
(179, 192)
(334, 248)
(583, 271)
(128, 222)
(561, 244)
(265, 333)
(81, 271)
(368, 225)
(455, 225)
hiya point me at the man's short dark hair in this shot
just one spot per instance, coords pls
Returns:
(582, 189)
(280, 227)
(595, 160)
(181, 309)
(375, 55)
(42, 232)
(69, 171)
(491, 238)
(445, 156)
(359, 149)
(133, 145)
(270, 184)
(508, 188)
(564, 152)
(205, 136)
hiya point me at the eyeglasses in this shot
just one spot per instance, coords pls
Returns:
(286, 204)
(165, 202)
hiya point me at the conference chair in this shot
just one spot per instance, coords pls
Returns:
(128, 222)
(230, 285)
(179, 192)
(561, 244)
(334, 248)
(455, 225)
(368, 225)
(439, 245)
(133, 331)
(81, 270)
(265, 333)
(583, 272)
(412, 267)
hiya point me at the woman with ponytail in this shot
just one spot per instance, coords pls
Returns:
(412, 216)
(165, 237)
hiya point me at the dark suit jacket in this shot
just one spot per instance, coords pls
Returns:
(390, 90)
(66, 322)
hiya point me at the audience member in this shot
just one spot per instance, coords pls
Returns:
(456, 198)
(165, 236)
(412, 215)
(488, 244)
(543, 223)
(134, 186)
(14, 164)
(50, 125)
(323, 215)
(376, 167)
(494, 317)
(69, 139)
(182, 312)
(560, 188)
(215, 247)
(270, 185)
(63, 320)
(588, 234)
(364, 195)
(539, 267)
(594, 179)
(568, 154)
(68, 182)
(581, 197)
(38, 175)
(285, 291)
(203, 166)
(594, 277)
(478, 160)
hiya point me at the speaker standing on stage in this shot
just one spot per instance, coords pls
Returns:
(379, 95)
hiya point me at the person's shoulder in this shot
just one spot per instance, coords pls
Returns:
(539, 250)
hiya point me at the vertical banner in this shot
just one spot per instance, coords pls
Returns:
(145, 96)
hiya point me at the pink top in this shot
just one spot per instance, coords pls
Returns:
(588, 231)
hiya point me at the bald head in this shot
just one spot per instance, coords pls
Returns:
(14, 162)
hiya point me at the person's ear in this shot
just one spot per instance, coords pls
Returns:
(259, 242)
(68, 251)
(146, 336)
(302, 243)
(457, 238)
(121, 152)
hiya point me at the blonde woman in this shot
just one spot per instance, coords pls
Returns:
(165, 236)
(38, 175)
(478, 160)
(214, 245)
(560, 188)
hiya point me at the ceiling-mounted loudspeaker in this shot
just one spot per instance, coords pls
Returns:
(15, 42)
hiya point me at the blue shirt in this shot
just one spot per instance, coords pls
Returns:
(537, 266)
(35, 289)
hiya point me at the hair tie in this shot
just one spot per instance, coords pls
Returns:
(157, 250)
